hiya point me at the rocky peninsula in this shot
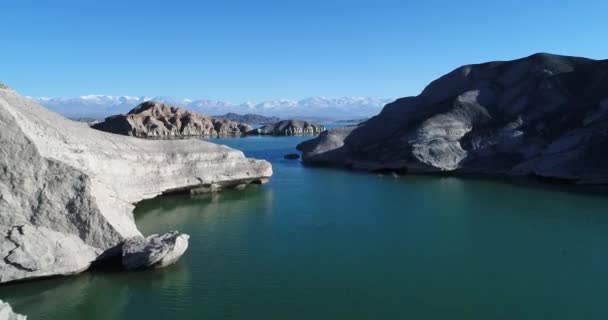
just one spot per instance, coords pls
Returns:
(289, 128)
(153, 119)
(68, 191)
(544, 115)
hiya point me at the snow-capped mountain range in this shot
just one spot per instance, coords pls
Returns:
(100, 106)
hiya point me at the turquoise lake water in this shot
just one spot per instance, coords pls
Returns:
(329, 244)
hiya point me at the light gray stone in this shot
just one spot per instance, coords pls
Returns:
(67, 191)
(543, 115)
(6, 312)
(155, 251)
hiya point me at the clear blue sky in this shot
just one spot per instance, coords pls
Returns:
(261, 49)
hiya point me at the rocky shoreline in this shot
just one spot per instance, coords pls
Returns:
(68, 191)
(289, 128)
(542, 116)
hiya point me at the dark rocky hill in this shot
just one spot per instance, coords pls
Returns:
(544, 115)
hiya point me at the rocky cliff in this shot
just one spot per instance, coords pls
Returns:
(67, 191)
(158, 120)
(289, 128)
(543, 115)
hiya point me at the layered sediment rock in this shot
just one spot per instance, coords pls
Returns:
(155, 251)
(289, 128)
(544, 115)
(157, 120)
(67, 191)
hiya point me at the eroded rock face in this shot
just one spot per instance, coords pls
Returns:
(155, 251)
(289, 128)
(157, 120)
(67, 191)
(544, 115)
(6, 312)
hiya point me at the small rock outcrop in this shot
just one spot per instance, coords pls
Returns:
(543, 115)
(67, 191)
(155, 251)
(157, 120)
(6, 312)
(249, 118)
(289, 128)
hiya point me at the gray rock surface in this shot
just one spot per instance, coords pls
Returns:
(543, 115)
(289, 128)
(155, 251)
(158, 120)
(67, 191)
(6, 312)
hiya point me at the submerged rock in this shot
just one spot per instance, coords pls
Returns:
(157, 120)
(67, 191)
(155, 251)
(6, 312)
(544, 115)
(292, 156)
(289, 128)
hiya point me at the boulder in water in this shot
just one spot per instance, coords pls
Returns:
(155, 251)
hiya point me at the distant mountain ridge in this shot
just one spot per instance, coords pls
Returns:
(252, 119)
(101, 106)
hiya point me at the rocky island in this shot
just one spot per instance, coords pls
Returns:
(153, 119)
(289, 128)
(68, 191)
(544, 115)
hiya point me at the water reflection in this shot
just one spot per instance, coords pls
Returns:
(99, 294)
(204, 210)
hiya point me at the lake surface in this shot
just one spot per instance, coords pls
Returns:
(330, 244)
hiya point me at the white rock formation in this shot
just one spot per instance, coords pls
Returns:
(155, 251)
(6, 312)
(67, 191)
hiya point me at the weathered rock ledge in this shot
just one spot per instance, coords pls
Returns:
(544, 116)
(67, 191)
